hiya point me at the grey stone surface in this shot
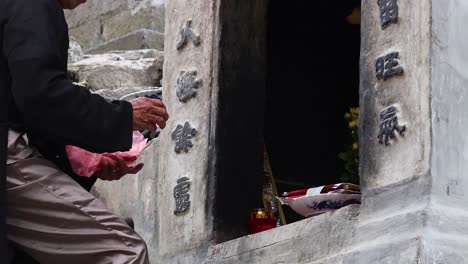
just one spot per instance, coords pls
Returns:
(395, 178)
(406, 156)
(140, 39)
(119, 70)
(102, 21)
(448, 216)
(75, 53)
(184, 238)
(301, 242)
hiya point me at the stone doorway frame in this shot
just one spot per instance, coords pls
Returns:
(396, 214)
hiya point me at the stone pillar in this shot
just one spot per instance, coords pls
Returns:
(184, 223)
(211, 152)
(413, 155)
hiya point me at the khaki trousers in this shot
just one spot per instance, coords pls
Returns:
(53, 219)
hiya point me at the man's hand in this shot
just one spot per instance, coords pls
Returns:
(114, 168)
(148, 114)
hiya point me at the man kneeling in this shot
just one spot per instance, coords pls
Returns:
(50, 214)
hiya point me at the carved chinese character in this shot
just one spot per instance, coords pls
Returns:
(186, 85)
(388, 12)
(389, 125)
(387, 66)
(182, 196)
(186, 35)
(182, 136)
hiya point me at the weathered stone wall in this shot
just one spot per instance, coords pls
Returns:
(406, 156)
(447, 232)
(388, 227)
(396, 176)
(103, 25)
(319, 238)
(183, 238)
(214, 50)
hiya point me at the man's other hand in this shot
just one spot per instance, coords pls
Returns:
(148, 114)
(114, 168)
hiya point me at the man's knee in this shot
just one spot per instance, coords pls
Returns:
(141, 249)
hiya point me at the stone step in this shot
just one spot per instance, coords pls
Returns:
(117, 73)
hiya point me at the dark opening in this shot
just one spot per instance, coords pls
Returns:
(310, 82)
(285, 67)
(313, 79)
(239, 135)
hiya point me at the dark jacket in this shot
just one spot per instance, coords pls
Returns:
(36, 97)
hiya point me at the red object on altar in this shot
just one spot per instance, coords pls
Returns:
(260, 220)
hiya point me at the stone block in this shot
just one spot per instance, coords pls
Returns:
(82, 14)
(87, 34)
(118, 24)
(119, 70)
(75, 53)
(98, 22)
(140, 39)
(329, 233)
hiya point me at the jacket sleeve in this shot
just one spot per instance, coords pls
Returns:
(50, 104)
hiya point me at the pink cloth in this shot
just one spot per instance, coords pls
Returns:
(85, 163)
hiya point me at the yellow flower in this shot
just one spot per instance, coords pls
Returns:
(353, 124)
(355, 146)
(354, 110)
(347, 116)
(355, 17)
